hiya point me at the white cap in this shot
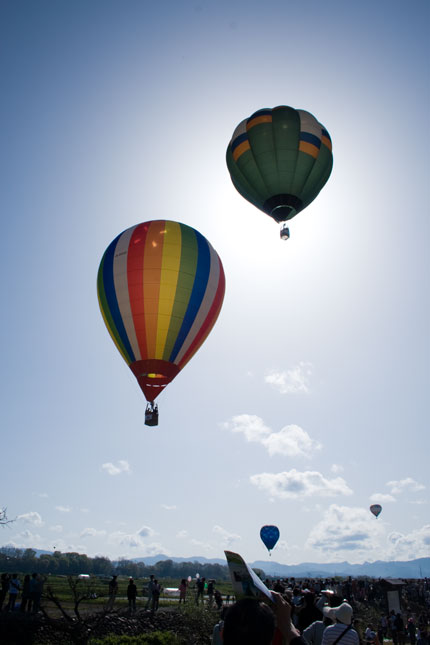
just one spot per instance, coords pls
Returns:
(343, 613)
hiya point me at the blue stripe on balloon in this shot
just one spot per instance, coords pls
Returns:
(197, 293)
(111, 298)
(240, 139)
(310, 138)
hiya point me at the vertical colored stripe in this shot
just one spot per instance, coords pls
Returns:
(120, 275)
(112, 312)
(184, 287)
(171, 260)
(208, 312)
(135, 284)
(152, 264)
(199, 288)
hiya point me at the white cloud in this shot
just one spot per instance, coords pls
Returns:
(227, 539)
(90, 532)
(145, 531)
(381, 498)
(31, 518)
(169, 508)
(412, 545)
(291, 441)
(56, 528)
(136, 541)
(250, 425)
(336, 468)
(182, 534)
(294, 484)
(63, 509)
(202, 545)
(405, 485)
(293, 381)
(348, 530)
(122, 467)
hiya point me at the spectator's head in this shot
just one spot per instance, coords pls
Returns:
(341, 614)
(249, 622)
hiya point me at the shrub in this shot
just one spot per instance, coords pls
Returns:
(155, 638)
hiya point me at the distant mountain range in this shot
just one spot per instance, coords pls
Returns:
(419, 568)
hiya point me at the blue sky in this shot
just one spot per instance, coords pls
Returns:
(307, 401)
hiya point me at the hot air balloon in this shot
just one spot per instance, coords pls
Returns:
(279, 159)
(376, 509)
(160, 288)
(270, 535)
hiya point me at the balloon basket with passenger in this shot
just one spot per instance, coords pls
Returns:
(151, 414)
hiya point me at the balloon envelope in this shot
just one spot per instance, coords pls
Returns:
(270, 535)
(376, 509)
(160, 288)
(279, 159)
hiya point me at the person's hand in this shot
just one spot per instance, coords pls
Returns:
(283, 617)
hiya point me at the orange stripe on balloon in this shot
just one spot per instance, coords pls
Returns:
(240, 149)
(264, 118)
(308, 148)
(326, 141)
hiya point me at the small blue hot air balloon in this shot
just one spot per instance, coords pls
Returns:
(270, 535)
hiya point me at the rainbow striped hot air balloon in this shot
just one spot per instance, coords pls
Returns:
(279, 159)
(160, 288)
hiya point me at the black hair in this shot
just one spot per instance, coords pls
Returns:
(249, 622)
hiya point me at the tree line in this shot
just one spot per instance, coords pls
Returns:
(73, 564)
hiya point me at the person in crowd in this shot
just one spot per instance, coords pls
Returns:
(112, 591)
(412, 631)
(314, 633)
(4, 588)
(309, 612)
(400, 629)
(211, 591)
(131, 596)
(150, 589)
(370, 636)
(342, 631)
(25, 595)
(217, 633)
(252, 622)
(392, 626)
(200, 585)
(14, 587)
(156, 591)
(38, 591)
(182, 591)
(218, 599)
(382, 628)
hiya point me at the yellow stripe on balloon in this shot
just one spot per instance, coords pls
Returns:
(171, 260)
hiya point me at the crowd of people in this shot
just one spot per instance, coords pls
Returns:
(303, 612)
(321, 612)
(29, 592)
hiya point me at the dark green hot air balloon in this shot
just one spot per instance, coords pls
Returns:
(279, 159)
